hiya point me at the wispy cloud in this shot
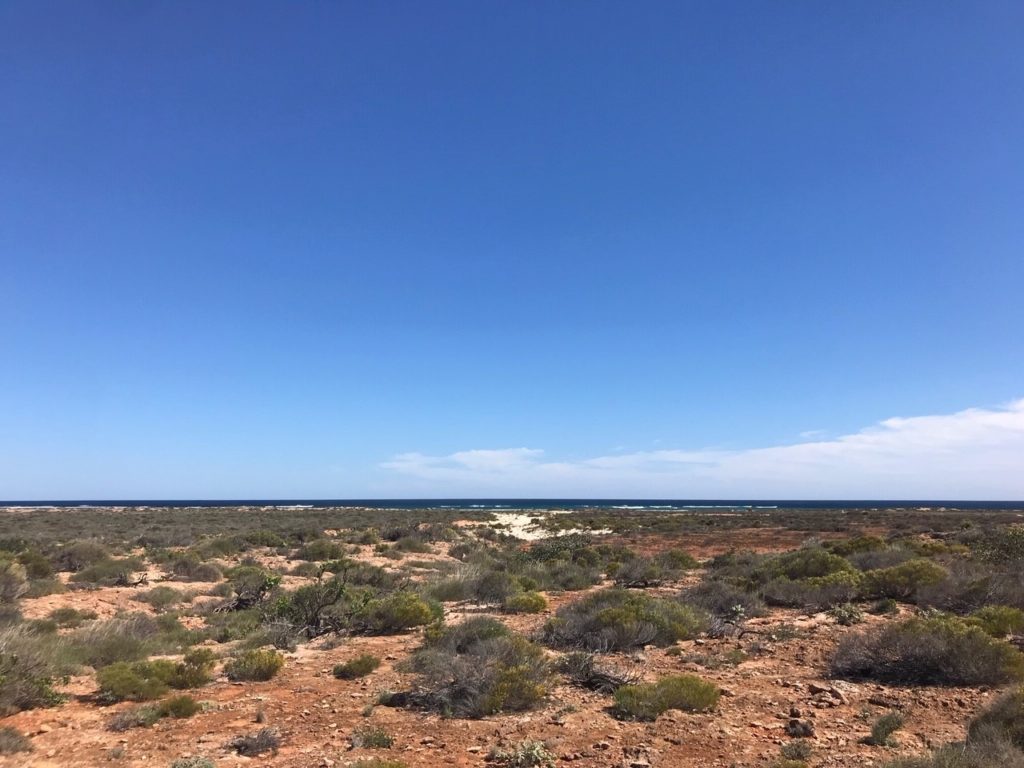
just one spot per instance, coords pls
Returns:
(975, 453)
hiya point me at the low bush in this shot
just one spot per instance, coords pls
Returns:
(319, 550)
(12, 742)
(13, 581)
(371, 737)
(139, 681)
(253, 744)
(477, 668)
(525, 754)
(647, 701)
(904, 581)
(815, 592)
(30, 667)
(188, 566)
(126, 638)
(800, 749)
(524, 602)
(724, 600)
(615, 619)
(800, 564)
(161, 598)
(998, 620)
(256, 665)
(847, 614)
(358, 667)
(77, 555)
(71, 618)
(582, 669)
(109, 572)
(653, 571)
(178, 707)
(193, 762)
(1004, 719)
(883, 729)
(928, 651)
(396, 612)
(378, 762)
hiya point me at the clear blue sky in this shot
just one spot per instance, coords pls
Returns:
(262, 249)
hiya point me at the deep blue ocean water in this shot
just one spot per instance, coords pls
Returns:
(568, 504)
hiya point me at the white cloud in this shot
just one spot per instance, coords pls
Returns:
(973, 454)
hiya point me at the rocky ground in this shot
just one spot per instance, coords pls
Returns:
(775, 688)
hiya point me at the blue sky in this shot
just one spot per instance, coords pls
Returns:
(515, 249)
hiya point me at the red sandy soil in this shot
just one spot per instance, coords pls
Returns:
(315, 713)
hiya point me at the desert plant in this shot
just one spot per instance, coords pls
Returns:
(846, 614)
(29, 670)
(1003, 719)
(139, 681)
(941, 650)
(71, 618)
(525, 754)
(998, 620)
(615, 619)
(723, 600)
(12, 741)
(371, 737)
(109, 572)
(903, 581)
(193, 762)
(134, 717)
(358, 667)
(647, 701)
(161, 598)
(524, 602)
(477, 668)
(253, 744)
(582, 669)
(800, 749)
(883, 729)
(396, 612)
(13, 581)
(256, 665)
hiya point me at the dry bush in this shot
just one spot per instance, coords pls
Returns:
(30, 666)
(476, 668)
(615, 619)
(12, 741)
(253, 744)
(941, 650)
(724, 600)
(358, 667)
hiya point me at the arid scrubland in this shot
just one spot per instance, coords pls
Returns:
(304, 638)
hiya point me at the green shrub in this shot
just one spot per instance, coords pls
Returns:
(35, 564)
(371, 737)
(360, 666)
(12, 742)
(998, 620)
(321, 549)
(233, 625)
(378, 762)
(188, 566)
(815, 592)
(640, 571)
(29, 670)
(928, 651)
(615, 619)
(257, 665)
(883, 729)
(805, 563)
(525, 602)
(194, 669)
(647, 701)
(44, 587)
(139, 681)
(902, 582)
(179, 707)
(396, 612)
